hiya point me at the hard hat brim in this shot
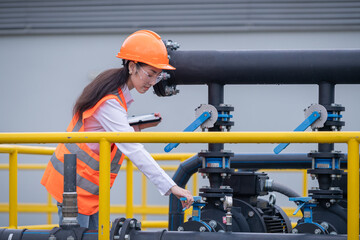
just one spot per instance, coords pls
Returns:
(162, 66)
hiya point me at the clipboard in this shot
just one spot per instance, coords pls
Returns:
(141, 119)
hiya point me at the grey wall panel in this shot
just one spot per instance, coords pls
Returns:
(68, 17)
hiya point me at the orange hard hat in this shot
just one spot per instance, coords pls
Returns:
(147, 47)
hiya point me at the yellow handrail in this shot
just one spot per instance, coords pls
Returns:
(351, 138)
(181, 137)
(4, 148)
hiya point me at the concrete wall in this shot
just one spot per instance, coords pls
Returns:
(41, 77)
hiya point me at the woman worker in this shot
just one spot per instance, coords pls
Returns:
(102, 107)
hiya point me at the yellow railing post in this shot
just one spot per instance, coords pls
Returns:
(195, 185)
(353, 190)
(104, 191)
(13, 204)
(143, 196)
(305, 183)
(49, 216)
(129, 189)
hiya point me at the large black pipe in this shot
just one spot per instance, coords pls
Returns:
(172, 235)
(25, 234)
(266, 67)
(18, 234)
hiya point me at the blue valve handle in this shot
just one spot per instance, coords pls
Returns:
(197, 199)
(192, 127)
(302, 127)
(304, 202)
(196, 208)
(196, 204)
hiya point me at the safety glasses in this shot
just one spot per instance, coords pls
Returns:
(158, 77)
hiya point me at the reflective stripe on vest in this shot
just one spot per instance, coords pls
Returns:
(80, 181)
(92, 163)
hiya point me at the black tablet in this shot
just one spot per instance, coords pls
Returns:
(141, 119)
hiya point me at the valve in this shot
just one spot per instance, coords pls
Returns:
(197, 205)
(206, 116)
(308, 225)
(316, 116)
(196, 224)
(304, 202)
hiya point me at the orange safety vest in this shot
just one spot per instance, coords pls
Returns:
(87, 168)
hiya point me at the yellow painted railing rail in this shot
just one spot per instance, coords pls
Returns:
(4, 148)
(351, 138)
(181, 137)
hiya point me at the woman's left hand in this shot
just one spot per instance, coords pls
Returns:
(181, 192)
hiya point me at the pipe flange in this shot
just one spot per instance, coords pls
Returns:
(326, 194)
(326, 155)
(214, 170)
(116, 228)
(334, 108)
(218, 154)
(127, 226)
(225, 108)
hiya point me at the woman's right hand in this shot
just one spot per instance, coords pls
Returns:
(181, 192)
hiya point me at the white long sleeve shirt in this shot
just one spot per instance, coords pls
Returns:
(112, 117)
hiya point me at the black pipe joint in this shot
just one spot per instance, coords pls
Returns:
(334, 123)
(224, 122)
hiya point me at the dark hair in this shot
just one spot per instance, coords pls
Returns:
(105, 83)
